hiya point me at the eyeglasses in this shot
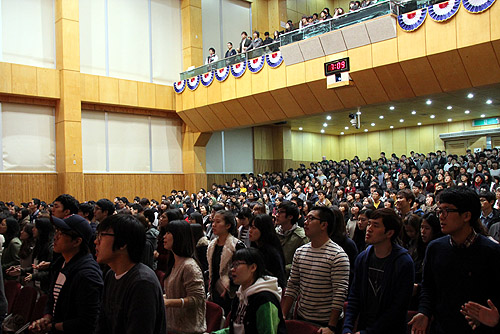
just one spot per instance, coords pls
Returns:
(235, 264)
(100, 235)
(445, 211)
(310, 218)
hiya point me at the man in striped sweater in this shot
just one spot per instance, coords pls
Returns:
(320, 274)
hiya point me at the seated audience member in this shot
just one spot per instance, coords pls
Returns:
(319, 275)
(383, 280)
(264, 238)
(132, 300)
(257, 308)
(230, 51)
(76, 287)
(184, 286)
(212, 57)
(458, 268)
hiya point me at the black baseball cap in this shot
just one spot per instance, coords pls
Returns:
(75, 223)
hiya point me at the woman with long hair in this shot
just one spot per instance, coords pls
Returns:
(257, 309)
(219, 254)
(263, 237)
(161, 254)
(12, 245)
(184, 286)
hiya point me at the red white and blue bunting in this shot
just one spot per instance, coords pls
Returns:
(222, 73)
(477, 6)
(444, 11)
(193, 82)
(256, 64)
(207, 78)
(274, 59)
(237, 70)
(179, 86)
(412, 21)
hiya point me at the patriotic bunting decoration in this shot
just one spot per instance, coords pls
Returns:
(222, 73)
(274, 59)
(444, 11)
(256, 64)
(179, 86)
(412, 21)
(477, 6)
(193, 82)
(237, 70)
(207, 78)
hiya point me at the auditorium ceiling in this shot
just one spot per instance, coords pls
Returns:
(469, 104)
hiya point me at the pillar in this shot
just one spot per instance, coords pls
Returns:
(194, 162)
(192, 44)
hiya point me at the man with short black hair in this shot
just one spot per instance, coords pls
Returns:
(404, 202)
(319, 275)
(103, 208)
(383, 279)
(64, 206)
(132, 299)
(244, 43)
(230, 51)
(489, 215)
(458, 268)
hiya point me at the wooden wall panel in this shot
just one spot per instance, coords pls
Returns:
(220, 179)
(287, 103)
(238, 112)
(254, 110)
(373, 144)
(350, 96)
(472, 29)
(306, 99)
(260, 81)
(6, 75)
(296, 74)
(489, 70)
(413, 140)
(22, 187)
(399, 141)
(386, 142)
(440, 36)
(385, 52)
(277, 77)
(411, 45)
(361, 145)
(214, 92)
(244, 85)
(427, 138)
(394, 81)
(99, 186)
(370, 86)
(449, 71)
(420, 76)
(271, 107)
(327, 98)
(224, 115)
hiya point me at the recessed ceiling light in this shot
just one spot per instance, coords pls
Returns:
(328, 117)
(419, 123)
(413, 112)
(322, 130)
(300, 129)
(428, 102)
(366, 130)
(483, 115)
(325, 125)
(467, 111)
(392, 127)
(449, 107)
(347, 128)
(392, 107)
(381, 117)
(401, 120)
(433, 116)
(470, 95)
(342, 133)
(358, 113)
(488, 101)
(449, 120)
(373, 124)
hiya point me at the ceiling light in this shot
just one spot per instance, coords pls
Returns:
(381, 117)
(325, 125)
(467, 111)
(392, 107)
(328, 117)
(373, 124)
(449, 120)
(419, 123)
(392, 127)
(342, 133)
(413, 112)
(433, 116)
(449, 107)
(366, 130)
(322, 130)
(401, 120)
(300, 129)
(358, 113)
(428, 102)
(483, 115)
(347, 128)
(470, 95)
(488, 101)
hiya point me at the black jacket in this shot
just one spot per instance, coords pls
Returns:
(79, 300)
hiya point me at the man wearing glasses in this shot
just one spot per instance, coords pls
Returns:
(320, 274)
(458, 268)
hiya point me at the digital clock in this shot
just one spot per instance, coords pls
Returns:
(337, 66)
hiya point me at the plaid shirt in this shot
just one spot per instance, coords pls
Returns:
(468, 241)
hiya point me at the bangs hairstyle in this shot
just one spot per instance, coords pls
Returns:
(251, 256)
(229, 219)
(390, 220)
(464, 199)
(128, 231)
(183, 244)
